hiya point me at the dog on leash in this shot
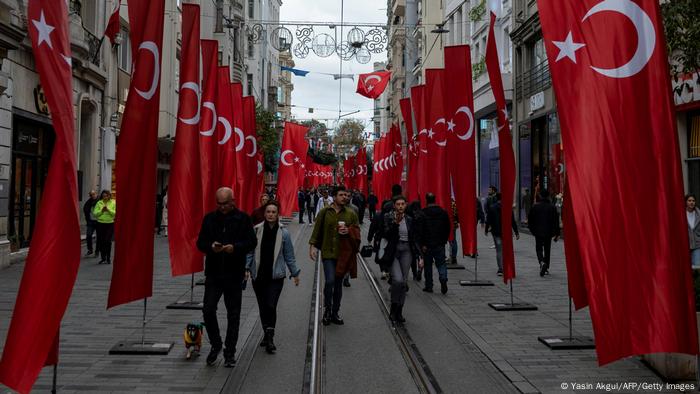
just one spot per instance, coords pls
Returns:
(193, 339)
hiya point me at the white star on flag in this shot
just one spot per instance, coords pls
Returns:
(568, 48)
(431, 133)
(451, 126)
(44, 30)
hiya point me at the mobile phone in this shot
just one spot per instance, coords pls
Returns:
(217, 243)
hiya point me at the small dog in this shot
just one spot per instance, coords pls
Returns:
(193, 339)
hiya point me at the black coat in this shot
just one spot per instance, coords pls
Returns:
(372, 201)
(435, 227)
(543, 220)
(390, 232)
(87, 209)
(493, 220)
(234, 228)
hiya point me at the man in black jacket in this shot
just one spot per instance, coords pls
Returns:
(301, 202)
(434, 233)
(90, 222)
(226, 237)
(372, 202)
(543, 222)
(493, 224)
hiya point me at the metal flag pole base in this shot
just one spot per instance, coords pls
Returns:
(142, 347)
(476, 281)
(188, 305)
(513, 306)
(569, 342)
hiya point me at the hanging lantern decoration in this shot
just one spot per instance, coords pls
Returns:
(356, 38)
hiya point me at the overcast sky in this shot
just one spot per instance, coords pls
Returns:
(322, 91)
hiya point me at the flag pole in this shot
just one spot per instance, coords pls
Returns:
(143, 326)
(55, 374)
(97, 52)
(571, 342)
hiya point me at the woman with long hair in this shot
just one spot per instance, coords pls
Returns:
(267, 265)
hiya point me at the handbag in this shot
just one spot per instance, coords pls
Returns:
(367, 251)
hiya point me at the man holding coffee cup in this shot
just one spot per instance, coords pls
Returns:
(332, 225)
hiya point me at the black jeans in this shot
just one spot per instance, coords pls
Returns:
(105, 232)
(301, 214)
(89, 233)
(268, 293)
(230, 288)
(372, 212)
(333, 286)
(310, 213)
(361, 214)
(543, 247)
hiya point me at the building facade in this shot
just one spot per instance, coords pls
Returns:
(262, 61)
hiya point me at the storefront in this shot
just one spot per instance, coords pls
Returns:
(686, 95)
(541, 162)
(33, 140)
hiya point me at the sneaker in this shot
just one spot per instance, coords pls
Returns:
(89, 253)
(543, 269)
(326, 320)
(499, 273)
(213, 355)
(336, 319)
(229, 361)
(492, 247)
(428, 290)
(443, 286)
(419, 275)
(346, 282)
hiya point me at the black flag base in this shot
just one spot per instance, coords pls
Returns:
(567, 342)
(475, 282)
(515, 306)
(199, 282)
(454, 266)
(141, 348)
(186, 305)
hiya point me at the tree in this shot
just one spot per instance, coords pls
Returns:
(682, 34)
(350, 133)
(319, 131)
(268, 137)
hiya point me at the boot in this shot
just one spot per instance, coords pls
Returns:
(399, 314)
(326, 317)
(392, 311)
(270, 348)
(265, 339)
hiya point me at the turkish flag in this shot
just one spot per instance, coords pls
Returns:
(377, 184)
(243, 180)
(438, 182)
(54, 257)
(185, 209)
(461, 146)
(113, 25)
(611, 78)
(396, 159)
(421, 145)
(348, 173)
(137, 156)
(372, 85)
(254, 175)
(226, 149)
(208, 159)
(505, 151)
(405, 105)
(361, 171)
(294, 148)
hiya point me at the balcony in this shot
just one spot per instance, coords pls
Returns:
(535, 80)
(398, 7)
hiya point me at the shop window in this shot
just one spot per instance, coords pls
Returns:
(694, 155)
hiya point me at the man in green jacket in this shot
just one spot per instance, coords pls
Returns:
(104, 211)
(332, 223)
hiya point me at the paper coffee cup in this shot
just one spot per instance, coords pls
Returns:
(342, 224)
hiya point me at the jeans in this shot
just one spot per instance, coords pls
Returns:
(214, 288)
(453, 247)
(435, 255)
(268, 293)
(361, 214)
(301, 215)
(89, 232)
(399, 273)
(333, 287)
(543, 247)
(499, 251)
(105, 232)
(695, 257)
(310, 214)
(372, 212)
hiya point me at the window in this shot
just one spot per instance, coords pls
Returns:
(88, 13)
(694, 154)
(507, 50)
(251, 48)
(251, 9)
(125, 52)
(249, 80)
(538, 53)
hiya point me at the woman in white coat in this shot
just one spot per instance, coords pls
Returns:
(267, 265)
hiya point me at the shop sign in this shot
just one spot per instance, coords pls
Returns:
(686, 88)
(42, 106)
(537, 101)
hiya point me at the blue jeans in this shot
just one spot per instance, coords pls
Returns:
(332, 288)
(499, 251)
(695, 257)
(453, 248)
(435, 255)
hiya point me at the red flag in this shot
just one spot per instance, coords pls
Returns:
(294, 148)
(421, 146)
(361, 171)
(349, 178)
(377, 176)
(54, 256)
(132, 274)
(436, 165)
(243, 181)
(610, 72)
(207, 125)
(184, 200)
(254, 173)
(372, 85)
(113, 25)
(226, 149)
(505, 151)
(396, 155)
(461, 147)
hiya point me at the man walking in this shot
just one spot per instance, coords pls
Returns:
(543, 222)
(433, 236)
(226, 237)
(359, 201)
(493, 224)
(372, 202)
(333, 223)
(90, 222)
(301, 203)
(311, 198)
(324, 201)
